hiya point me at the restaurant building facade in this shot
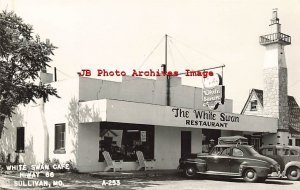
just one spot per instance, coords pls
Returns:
(94, 115)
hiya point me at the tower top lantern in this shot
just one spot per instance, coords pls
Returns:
(275, 36)
(275, 19)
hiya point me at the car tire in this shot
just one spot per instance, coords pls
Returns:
(250, 175)
(190, 171)
(293, 173)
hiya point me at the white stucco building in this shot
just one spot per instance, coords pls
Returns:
(93, 115)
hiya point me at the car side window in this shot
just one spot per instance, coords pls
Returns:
(282, 152)
(217, 150)
(294, 152)
(267, 152)
(226, 152)
(237, 152)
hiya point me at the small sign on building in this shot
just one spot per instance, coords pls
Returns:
(143, 136)
(213, 91)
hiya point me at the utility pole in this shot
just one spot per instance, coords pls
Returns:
(166, 70)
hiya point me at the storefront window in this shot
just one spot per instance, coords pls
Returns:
(122, 140)
(209, 139)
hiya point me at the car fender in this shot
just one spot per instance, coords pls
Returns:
(243, 166)
(199, 164)
(258, 166)
(289, 164)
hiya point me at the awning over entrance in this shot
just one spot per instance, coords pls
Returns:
(150, 114)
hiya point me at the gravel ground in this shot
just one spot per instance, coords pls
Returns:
(72, 181)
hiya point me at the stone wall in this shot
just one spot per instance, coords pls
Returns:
(275, 95)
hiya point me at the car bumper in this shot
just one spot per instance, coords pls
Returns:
(263, 172)
(272, 171)
(275, 174)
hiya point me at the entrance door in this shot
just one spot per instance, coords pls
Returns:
(255, 141)
(186, 142)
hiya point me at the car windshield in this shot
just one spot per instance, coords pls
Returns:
(253, 151)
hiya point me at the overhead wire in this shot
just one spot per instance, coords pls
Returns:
(65, 74)
(147, 57)
(181, 54)
(171, 46)
(171, 55)
(197, 51)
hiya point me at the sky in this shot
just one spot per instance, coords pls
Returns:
(128, 34)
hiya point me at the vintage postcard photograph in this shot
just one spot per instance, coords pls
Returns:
(150, 94)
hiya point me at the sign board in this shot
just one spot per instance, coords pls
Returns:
(143, 136)
(213, 91)
(151, 114)
(212, 81)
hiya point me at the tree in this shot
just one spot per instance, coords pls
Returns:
(22, 56)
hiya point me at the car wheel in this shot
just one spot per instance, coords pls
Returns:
(293, 173)
(250, 175)
(190, 171)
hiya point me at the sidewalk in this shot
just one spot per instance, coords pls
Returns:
(134, 174)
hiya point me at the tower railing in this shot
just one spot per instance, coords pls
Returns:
(275, 38)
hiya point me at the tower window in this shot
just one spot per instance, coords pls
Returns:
(253, 105)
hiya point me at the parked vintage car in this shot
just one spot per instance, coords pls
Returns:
(230, 160)
(288, 158)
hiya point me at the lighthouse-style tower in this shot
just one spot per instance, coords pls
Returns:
(275, 94)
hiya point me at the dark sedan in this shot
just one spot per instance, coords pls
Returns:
(230, 160)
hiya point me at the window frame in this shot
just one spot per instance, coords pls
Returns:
(20, 140)
(217, 150)
(264, 152)
(292, 154)
(237, 155)
(226, 152)
(59, 138)
(253, 105)
(127, 131)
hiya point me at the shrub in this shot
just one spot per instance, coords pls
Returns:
(56, 161)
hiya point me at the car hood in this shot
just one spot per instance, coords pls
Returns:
(264, 158)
